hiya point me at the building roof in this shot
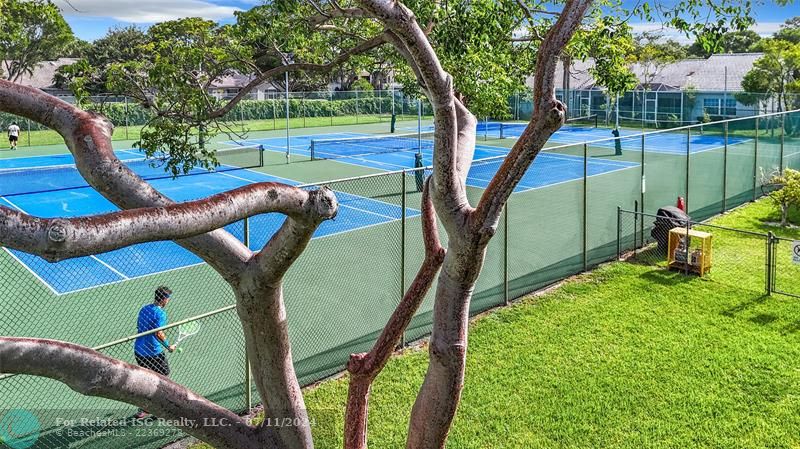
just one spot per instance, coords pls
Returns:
(42, 76)
(702, 74)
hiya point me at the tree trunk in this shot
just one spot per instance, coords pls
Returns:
(266, 332)
(438, 399)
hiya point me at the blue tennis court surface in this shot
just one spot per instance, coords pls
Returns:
(355, 212)
(663, 142)
(547, 169)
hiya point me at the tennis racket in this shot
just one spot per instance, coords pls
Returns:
(185, 331)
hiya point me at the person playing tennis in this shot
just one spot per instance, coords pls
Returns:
(149, 349)
(13, 135)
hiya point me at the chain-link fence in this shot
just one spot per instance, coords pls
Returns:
(658, 109)
(267, 111)
(759, 262)
(731, 256)
(562, 219)
(786, 266)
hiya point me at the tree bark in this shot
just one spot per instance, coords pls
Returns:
(365, 367)
(93, 374)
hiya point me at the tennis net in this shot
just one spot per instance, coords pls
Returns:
(52, 178)
(367, 145)
(508, 130)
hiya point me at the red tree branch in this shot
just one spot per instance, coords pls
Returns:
(61, 238)
(93, 374)
(365, 367)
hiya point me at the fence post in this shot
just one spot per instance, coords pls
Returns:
(126, 119)
(636, 225)
(585, 207)
(725, 168)
(330, 96)
(769, 269)
(688, 167)
(643, 184)
(506, 298)
(619, 232)
(403, 244)
(248, 374)
(356, 106)
(783, 138)
(28, 122)
(274, 115)
(755, 164)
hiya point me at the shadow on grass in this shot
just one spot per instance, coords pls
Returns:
(663, 276)
(741, 307)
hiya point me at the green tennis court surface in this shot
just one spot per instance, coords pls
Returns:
(343, 288)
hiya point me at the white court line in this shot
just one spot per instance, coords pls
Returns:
(30, 270)
(93, 257)
(370, 212)
(129, 279)
(295, 183)
(110, 267)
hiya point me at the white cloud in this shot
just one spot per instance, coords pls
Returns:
(764, 29)
(145, 11)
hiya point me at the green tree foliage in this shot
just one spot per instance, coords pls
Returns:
(179, 63)
(90, 74)
(733, 42)
(610, 43)
(31, 31)
(786, 193)
(774, 74)
(652, 53)
(489, 47)
(790, 31)
(363, 85)
(78, 48)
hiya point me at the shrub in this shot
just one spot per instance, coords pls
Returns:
(785, 192)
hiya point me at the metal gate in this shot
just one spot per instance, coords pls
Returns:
(785, 264)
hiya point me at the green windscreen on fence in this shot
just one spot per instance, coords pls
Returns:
(339, 294)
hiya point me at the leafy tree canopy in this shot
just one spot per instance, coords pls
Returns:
(32, 31)
(489, 47)
(776, 73)
(790, 31)
(732, 42)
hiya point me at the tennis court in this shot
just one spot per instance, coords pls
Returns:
(667, 142)
(397, 152)
(47, 186)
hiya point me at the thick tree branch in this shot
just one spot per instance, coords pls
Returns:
(365, 367)
(448, 192)
(548, 115)
(88, 136)
(286, 245)
(94, 374)
(337, 12)
(62, 238)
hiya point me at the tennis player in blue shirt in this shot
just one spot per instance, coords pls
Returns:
(149, 349)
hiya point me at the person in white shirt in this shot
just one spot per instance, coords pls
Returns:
(13, 135)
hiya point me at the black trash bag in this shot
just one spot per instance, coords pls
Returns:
(668, 217)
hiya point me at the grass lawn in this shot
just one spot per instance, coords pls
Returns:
(628, 356)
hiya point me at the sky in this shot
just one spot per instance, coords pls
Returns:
(91, 19)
